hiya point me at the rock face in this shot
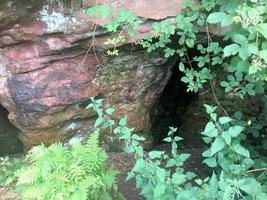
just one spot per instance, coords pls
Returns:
(50, 64)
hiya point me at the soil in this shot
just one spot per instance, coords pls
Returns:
(124, 162)
(7, 194)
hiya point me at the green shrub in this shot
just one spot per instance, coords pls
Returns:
(236, 173)
(79, 173)
(236, 147)
(8, 165)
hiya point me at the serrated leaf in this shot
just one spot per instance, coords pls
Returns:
(230, 50)
(178, 178)
(161, 174)
(98, 121)
(215, 17)
(167, 139)
(241, 150)
(262, 28)
(155, 154)
(244, 53)
(211, 162)
(252, 69)
(263, 55)
(227, 20)
(234, 131)
(227, 137)
(177, 138)
(217, 145)
(213, 183)
(207, 153)
(210, 130)
(225, 119)
(184, 156)
(240, 39)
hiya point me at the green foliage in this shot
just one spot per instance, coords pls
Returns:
(243, 53)
(119, 19)
(160, 175)
(235, 146)
(56, 172)
(7, 167)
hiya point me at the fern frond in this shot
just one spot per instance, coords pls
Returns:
(29, 176)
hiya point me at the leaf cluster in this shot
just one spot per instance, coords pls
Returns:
(56, 172)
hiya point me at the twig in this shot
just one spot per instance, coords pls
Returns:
(211, 85)
(257, 170)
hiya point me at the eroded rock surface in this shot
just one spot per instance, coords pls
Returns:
(47, 73)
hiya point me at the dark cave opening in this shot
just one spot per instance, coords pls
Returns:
(172, 109)
(9, 140)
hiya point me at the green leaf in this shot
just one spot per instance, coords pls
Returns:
(224, 84)
(228, 192)
(181, 67)
(244, 53)
(167, 139)
(240, 39)
(211, 162)
(241, 150)
(169, 52)
(227, 20)
(198, 181)
(252, 69)
(225, 120)
(215, 17)
(190, 43)
(210, 130)
(109, 111)
(207, 140)
(155, 154)
(249, 185)
(217, 145)
(227, 137)
(234, 131)
(139, 165)
(264, 45)
(178, 178)
(98, 121)
(123, 121)
(207, 153)
(262, 28)
(213, 183)
(253, 48)
(161, 174)
(184, 156)
(263, 55)
(231, 49)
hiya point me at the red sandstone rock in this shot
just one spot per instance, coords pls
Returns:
(46, 73)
